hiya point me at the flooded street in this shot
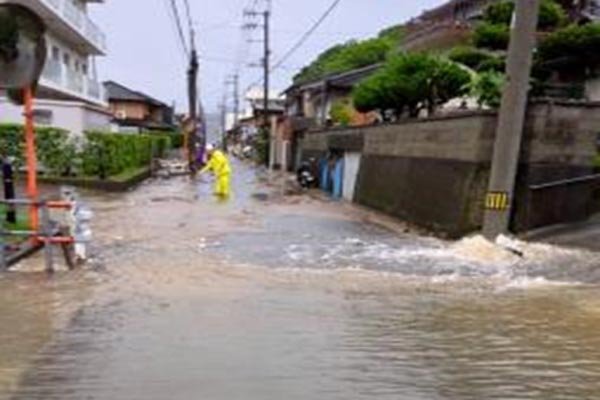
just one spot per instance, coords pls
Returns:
(293, 297)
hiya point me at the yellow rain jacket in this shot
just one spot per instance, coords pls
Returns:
(220, 167)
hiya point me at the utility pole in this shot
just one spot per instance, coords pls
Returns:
(266, 64)
(224, 116)
(236, 100)
(193, 108)
(267, 71)
(234, 81)
(500, 198)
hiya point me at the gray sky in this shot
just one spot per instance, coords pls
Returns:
(145, 54)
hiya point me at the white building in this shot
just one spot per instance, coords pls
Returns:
(69, 95)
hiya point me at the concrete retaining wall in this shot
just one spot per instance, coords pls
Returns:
(434, 172)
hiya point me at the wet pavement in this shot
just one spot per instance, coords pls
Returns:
(295, 297)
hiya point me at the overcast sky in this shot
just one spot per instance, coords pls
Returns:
(145, 54)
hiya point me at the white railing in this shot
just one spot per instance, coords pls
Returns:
(79, 21)
(53, 71)
(93, 88)
(72, 82)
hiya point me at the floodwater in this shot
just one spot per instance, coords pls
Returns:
(293, 297)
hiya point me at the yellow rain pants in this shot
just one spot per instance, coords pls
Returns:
(219, 165)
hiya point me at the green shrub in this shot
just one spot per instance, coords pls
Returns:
(175, 137)
(552, 14)
(500, 13)
(476, 59)
(100, 154)
(496, 64)
(341, 113)
(108, 154)
(395, 33)
(487, 88)
(597, 161)
(491, 36)
(346, 57)
(573, 50)
(413, 82)
(55, 150)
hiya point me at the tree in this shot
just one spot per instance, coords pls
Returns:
(341, 113)
(552, 14)
(471, 57)
(572, 50)
(491, 36)
(346, 57)
(411, 82)
(487, 88)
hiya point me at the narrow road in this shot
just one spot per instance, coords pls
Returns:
(270, 296)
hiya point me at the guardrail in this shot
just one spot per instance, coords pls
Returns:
(48, 234)
(566, 182)
(562, 201)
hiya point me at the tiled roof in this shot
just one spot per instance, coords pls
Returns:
(116, 91)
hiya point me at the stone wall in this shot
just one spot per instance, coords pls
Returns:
(434, 172)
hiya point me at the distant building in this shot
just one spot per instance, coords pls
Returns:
(69, 94)
(137, 112)
(315, 99)
(445, 26)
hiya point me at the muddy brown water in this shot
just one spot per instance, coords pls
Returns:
(273, 297)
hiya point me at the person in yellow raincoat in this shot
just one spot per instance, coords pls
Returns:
(219, 165)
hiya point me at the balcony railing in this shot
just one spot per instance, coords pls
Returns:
(79, 21)
(73, 83)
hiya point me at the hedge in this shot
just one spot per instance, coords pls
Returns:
(96, 154)
(491, 36)
(55, 149)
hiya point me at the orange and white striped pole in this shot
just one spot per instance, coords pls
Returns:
(31, 159)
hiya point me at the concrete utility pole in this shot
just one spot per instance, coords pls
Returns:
(193, 107)
(511, 121)
(267, 70)
(234, 81)
(236, 100)
(224, 116)
(266, 15)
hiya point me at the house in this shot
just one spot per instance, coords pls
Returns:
(136, 112)
(69, 93)
(314, 100)
(445, 26)
(252, 117)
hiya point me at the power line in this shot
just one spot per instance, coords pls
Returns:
(307, 35)
(177, 20)
(188, 11)
(280, 64)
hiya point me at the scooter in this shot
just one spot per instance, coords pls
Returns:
(306, 178)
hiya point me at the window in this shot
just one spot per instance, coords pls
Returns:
(55, 53)
(67, 59)
(43, 116)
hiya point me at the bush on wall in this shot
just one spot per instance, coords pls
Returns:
(97, 154)
(411, 82)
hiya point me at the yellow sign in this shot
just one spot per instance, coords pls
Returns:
(497, 201)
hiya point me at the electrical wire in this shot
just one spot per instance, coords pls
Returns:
(306, 35)
(280, 64)
(188, 11)
(177, 19)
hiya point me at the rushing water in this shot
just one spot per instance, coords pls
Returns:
(274, 297)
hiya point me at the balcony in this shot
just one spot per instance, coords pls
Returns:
(66, 82)
(65, 19)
